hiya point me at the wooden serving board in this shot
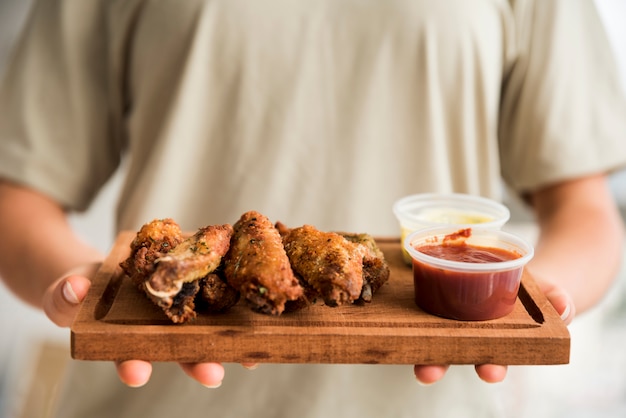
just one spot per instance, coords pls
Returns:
(117, 322)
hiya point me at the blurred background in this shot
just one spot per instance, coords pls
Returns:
(33, 351)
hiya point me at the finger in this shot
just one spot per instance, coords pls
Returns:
(134, 373)
(207, 374)
(62, 299)
(250, 366)
(560, 300)
(428, 375)
(491, 373)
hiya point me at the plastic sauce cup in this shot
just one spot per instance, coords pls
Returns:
(463, 290)
(428, 210)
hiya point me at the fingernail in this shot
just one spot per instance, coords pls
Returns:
(251, 366)
(213, 386)
(69, 295)
(566, 312)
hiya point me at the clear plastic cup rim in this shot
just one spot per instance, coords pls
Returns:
(479, 237)
(408, 209)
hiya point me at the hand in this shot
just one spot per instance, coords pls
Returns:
(494, 373)
(61, 303)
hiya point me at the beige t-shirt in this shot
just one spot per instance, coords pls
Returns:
(318, 112)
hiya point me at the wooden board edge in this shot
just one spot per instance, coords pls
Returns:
(322, 350)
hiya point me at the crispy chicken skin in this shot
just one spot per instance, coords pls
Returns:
(327, 262)
(310, 295)
(257, 265)
(190, 260)
(153, 240)
(215, 294)
(375, 268)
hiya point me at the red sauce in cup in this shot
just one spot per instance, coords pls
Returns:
(466, 253)
(465, 294)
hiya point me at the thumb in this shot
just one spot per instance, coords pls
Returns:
(561, 300)
(62, 299)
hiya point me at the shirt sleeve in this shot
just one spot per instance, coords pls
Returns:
(56, 121)
(563, 112)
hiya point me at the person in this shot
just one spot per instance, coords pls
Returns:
(309, 112)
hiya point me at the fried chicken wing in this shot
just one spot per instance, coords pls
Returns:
(190, 260)
(257, 265)
(327, 262)
(153, 240)
(375, 268)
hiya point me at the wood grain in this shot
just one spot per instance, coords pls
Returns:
(117, 322)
